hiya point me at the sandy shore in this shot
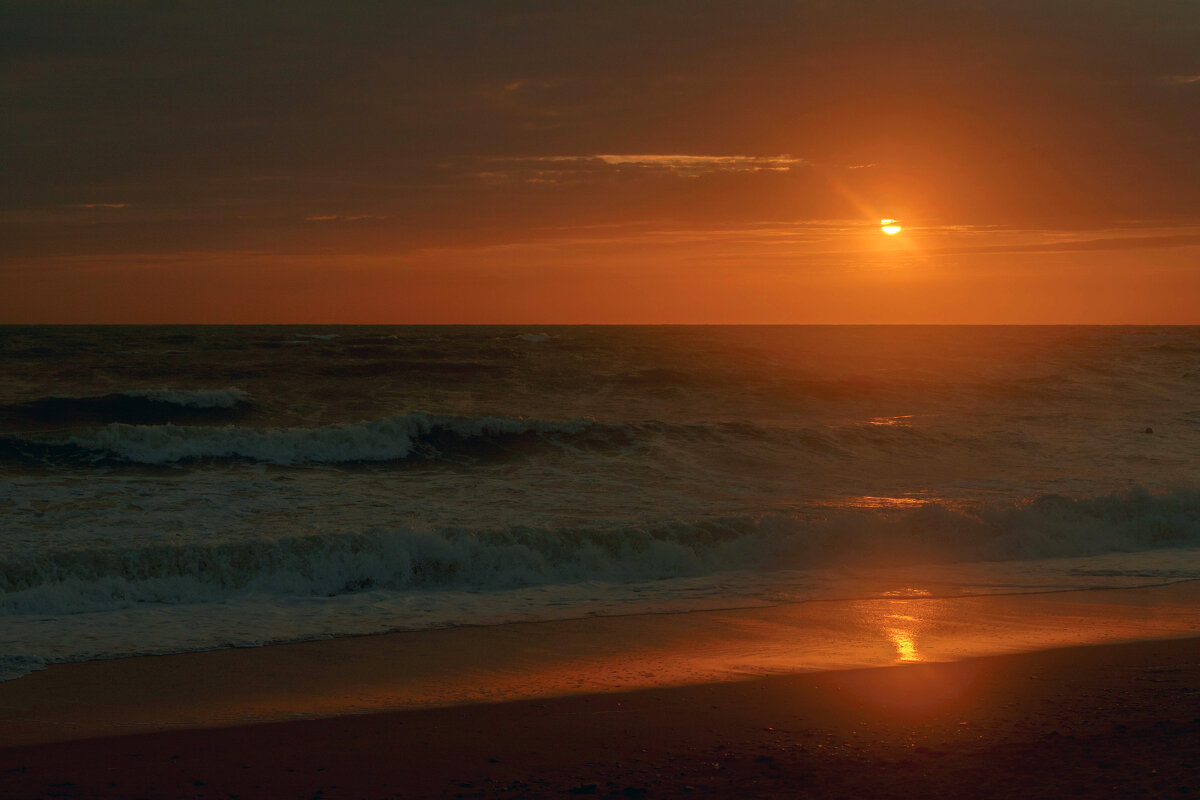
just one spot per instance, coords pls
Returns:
(569, 713)
(1101, 721)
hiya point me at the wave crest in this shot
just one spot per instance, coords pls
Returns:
(333, 563)
(134, 407)
(416, 435)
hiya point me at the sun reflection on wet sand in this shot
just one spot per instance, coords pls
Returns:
(903, 637)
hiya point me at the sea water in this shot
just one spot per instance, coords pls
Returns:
(166, 489)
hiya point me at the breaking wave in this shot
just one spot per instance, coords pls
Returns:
(422, 436)
(325, 564)
(407, 436)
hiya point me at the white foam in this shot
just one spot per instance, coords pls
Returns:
(14, 666)
(101, 574)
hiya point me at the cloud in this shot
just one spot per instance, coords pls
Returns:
(691, 166)
(341, 217)
(1082, 245)
(451, 118)
(566, 169)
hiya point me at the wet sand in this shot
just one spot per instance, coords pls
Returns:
(570, 713)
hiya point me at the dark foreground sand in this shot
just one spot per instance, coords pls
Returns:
(1098, 721)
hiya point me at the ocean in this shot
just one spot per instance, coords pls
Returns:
(178, 488)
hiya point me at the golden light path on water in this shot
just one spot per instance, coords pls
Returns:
(903, 637)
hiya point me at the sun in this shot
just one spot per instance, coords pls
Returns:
(890, 226)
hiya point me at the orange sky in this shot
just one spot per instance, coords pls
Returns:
(618, 162)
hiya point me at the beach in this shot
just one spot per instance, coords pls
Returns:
(623, 707)
(627, 400)
(408, 561)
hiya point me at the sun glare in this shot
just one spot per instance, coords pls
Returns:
(890, 226)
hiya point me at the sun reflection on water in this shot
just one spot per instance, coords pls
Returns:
(872, 501)
(906, 646)
(899, 421)
(909, 591)
(902, 629)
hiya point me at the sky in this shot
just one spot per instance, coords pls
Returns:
(683, 161)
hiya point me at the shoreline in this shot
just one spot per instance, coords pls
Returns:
(1114, 720)
(539, 660)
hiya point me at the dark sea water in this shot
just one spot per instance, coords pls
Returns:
(167, 489)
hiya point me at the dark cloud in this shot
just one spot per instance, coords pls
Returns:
(222, 126)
